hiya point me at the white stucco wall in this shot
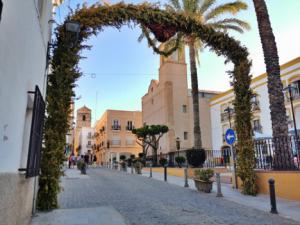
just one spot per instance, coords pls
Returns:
(290, 72)
(84, 139)
(23, 44)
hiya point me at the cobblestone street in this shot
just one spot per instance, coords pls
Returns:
(143, 201)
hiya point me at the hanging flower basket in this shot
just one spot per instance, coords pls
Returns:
(162, 32)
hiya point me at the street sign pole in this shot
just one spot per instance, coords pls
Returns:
(234, 177)
(230, 139)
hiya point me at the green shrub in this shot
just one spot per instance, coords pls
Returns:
(179, 160)
(204, 174)
(163, 161)
(196, 157)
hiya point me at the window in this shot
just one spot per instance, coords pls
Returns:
(129, 125)
(152, 101)
(89, 143)
(151, 89)
(184, 109)
(256, 126)
(116, 125)
(83, 118)
(185, 135)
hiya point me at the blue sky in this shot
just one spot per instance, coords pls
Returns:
(118, 69)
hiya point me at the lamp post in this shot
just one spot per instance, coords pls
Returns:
(290, 94)
(229, 110)
(178, 145)
(73, 27)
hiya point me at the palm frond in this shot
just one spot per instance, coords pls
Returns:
(227, 27)
(205, 5)
(231, 21)
(232, 8)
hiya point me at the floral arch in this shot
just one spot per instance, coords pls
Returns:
(163, 24)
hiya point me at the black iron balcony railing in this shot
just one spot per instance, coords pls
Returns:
(129, 127)
(116, 127)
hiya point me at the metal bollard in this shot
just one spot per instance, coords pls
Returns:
(131, 169)
(272, 196)
(218, 179)
(186, 182)
(150, 171)
(165, 173)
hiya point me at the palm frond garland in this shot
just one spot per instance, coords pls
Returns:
(65, 72)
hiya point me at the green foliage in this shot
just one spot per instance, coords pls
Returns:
(163, 161)
(204, 174)
(65, 72)
(196, 157)
(179, 160)
(122, 157)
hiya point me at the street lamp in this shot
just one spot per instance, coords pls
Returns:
(290, 94)
(229, 111)
(178, 145)
(73, 27)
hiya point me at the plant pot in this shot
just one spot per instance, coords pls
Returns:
(203, 186)
(138, 170)
(83, 170)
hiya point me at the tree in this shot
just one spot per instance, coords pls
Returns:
(150, 136)
(207, 12)
(275, 87)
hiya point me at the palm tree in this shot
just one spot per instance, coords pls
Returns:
(208, 13)
(275, 87)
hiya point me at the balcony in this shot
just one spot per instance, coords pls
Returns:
(130, 128)
(116, 127)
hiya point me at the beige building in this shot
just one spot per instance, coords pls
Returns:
(113, 136)
(169, 102)
(83, 120)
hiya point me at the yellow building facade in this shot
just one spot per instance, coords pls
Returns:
(113, 135)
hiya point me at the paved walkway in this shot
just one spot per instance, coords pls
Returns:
(286, 208)
(138, 200)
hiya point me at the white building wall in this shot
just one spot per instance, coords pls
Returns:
(289, 72)
(24, 34)
(85, 138)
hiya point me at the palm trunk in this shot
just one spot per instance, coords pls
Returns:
(275, 87)
(195, 96)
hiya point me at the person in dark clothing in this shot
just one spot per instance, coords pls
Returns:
(86, 160)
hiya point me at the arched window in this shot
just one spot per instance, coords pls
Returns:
(83, 118)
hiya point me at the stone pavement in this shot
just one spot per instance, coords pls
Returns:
(138, 200)
(286, 208)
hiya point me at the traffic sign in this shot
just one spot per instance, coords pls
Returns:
(230, 136)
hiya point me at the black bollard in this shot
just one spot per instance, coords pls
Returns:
(150, 171)
(186, 183)
(165, 172)
(272, 196)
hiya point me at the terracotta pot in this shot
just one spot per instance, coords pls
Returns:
(203, 186)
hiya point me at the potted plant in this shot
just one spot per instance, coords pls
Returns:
(81, 166)
(123, 163)
(196, 157)
(163, 161)
(179, 160)
(203, 180)
(138, 164)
